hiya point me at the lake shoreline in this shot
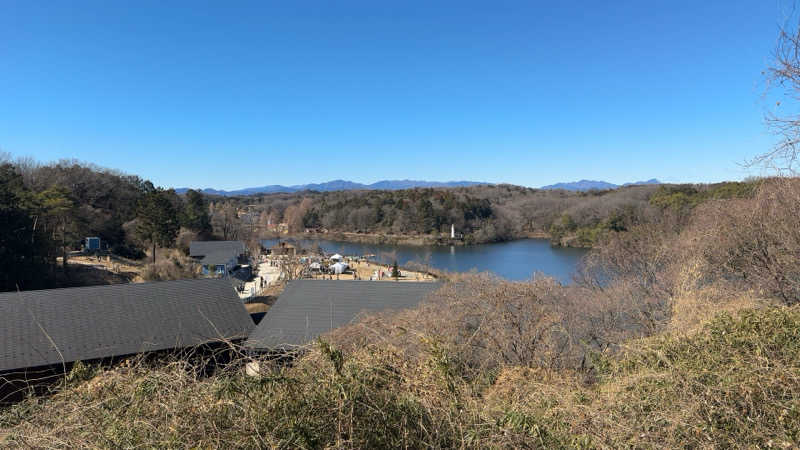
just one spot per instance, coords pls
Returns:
(514, 260)
(411, 240)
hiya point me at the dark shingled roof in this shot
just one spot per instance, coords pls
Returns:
(218, 258)
(40, 328)
(204, 248)
(309, 308)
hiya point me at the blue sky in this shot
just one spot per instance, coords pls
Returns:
(239, 94)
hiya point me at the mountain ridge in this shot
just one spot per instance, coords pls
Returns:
(587, 185)
(335, 185)
(345, 185)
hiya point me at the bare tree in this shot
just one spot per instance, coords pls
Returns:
(292, 267)
(295, 214)
(755, 242)
(225, 222)
(784, 76)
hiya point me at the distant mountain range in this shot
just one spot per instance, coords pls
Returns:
(587, 185)
(337, 185)
(344, 185)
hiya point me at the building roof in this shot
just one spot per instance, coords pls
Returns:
(309, 308)
(204, 248)
(219, 258)
(40, 328)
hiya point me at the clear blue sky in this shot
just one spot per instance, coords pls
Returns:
(239, 94)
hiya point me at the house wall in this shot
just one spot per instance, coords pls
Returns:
(219, 270)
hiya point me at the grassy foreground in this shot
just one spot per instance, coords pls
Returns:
(735, 382)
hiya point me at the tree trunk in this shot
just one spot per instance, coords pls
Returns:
(64, 247)
(154, 253)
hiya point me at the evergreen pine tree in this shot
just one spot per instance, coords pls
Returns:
(158, 220)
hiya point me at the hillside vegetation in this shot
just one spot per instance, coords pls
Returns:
(487, 213)
(49, 209)
(686, 338)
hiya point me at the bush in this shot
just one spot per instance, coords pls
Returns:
(756, 242)
(484, 323)
(734, 384)
(171, 265)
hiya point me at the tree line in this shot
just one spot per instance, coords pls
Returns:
(488, 213)
(47, 210)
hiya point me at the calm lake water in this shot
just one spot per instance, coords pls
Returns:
(515, 260)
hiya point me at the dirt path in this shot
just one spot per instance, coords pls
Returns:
(116, 265)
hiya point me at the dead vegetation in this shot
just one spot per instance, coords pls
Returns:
(170, 264)
(92, 275)
(91, 270)
(666, 340)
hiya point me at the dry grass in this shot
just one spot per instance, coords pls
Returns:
(170, 264)
(734, 383)
(666, 351)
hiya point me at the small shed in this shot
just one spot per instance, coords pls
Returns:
(92, 244)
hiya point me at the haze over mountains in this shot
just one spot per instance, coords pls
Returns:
(337, 185)
(344, 185)
(587, 185)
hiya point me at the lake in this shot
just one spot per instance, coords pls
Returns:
(514, 260)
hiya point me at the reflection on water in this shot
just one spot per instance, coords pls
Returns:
(515, 260)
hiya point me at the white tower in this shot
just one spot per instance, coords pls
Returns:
(452, 231)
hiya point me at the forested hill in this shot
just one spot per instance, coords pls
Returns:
(486, 213)
(588, 185)
(48, 211)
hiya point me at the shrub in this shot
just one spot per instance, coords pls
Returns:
(755, 243)
(171, 265)
(734, 384)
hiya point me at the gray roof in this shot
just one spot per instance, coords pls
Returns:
(39, 328)
(309, 308)
(219, 258)
(205, 248)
